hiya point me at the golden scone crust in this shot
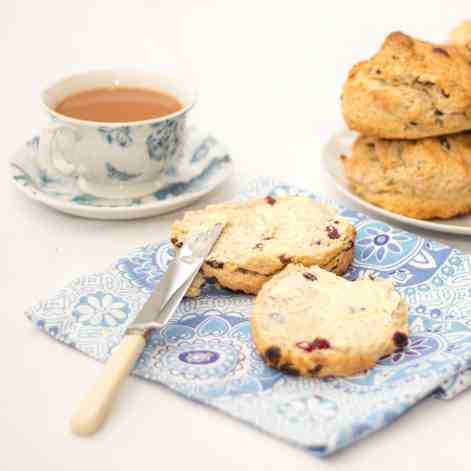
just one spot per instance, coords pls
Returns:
(263, 235)
(410, 89)
(461, 37)
(310, 322)
(424, 179)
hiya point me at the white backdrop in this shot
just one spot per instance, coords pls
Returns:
(269, 76)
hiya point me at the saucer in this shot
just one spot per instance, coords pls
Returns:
(341, 143)
(204, 165)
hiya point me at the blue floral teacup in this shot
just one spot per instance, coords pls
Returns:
(114, 160)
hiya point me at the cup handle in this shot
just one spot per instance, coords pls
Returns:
(57, 156)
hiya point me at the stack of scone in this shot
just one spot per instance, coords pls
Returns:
(289, 250)
(411, 103)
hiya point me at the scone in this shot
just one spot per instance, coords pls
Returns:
(307, 321)
(424, 179)
(410, 89)
(461, 37)
(263, 235)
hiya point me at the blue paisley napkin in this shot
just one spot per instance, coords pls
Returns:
(206, 353)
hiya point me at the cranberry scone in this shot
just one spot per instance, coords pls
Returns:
(263, 235)
(424, 179)
(310, 322)
(410, 89)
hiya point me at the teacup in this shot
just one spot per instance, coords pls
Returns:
(114, 160)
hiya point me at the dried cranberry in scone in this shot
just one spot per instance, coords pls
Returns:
(332, 232)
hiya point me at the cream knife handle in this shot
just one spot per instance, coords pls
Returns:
(95, 405)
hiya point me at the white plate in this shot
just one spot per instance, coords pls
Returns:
(209, 164)
(341, 143)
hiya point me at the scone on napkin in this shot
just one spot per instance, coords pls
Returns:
(263, 235)
(307, 321)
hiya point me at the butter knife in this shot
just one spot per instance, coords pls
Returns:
(155, 313)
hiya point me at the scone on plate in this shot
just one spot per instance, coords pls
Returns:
(307, 321)
(410, 89)
(424, 179)
(263, 235)
(461, 37)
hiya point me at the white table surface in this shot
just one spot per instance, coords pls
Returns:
(269, 75)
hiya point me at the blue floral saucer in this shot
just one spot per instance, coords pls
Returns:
(205, 165)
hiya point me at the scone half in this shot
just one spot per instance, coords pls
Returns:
(310, 322)
(263, 235)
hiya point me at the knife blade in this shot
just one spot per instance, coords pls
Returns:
(184, 267)
(155, 313)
